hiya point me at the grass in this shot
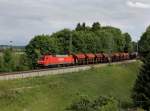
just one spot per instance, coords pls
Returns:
(56, 93)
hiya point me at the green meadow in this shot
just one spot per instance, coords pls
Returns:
(56, 93)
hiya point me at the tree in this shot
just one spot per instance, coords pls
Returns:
(82, 27)
(128, 43)
(141, 91)
(134, 46)
(148, 29)
(144, 43)
(63, 37)
(79, 27)
(8, 61)
(118, 38)
(39, 45)
(96, 26)
(106, 41)
(79, 44)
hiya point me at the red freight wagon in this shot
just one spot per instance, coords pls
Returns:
(99, 57)
(106, 57)
(79, 58)
(133, 55)
(49, 60)
(115, 57)
(124, 56)
(90, 58)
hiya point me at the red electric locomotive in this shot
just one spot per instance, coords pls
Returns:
(49, 60)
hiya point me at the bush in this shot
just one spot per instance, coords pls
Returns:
(100, 104)
(83, 105)
(105, 104)
(1, 64)
(23, 64)
(8, 61)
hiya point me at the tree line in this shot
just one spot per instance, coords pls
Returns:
(83, 39)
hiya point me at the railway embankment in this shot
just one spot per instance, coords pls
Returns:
(56, 71)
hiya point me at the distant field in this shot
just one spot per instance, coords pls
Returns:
(56, 93)
(17, 53)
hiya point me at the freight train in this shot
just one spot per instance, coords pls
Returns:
(83, 59)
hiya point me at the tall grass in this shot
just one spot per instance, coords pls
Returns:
(56, 93)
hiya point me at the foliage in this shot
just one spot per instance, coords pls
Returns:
(134, 46)
(128, 43)
(63, 38)
(144, 43)
(42, 44)
(105, 104)
(84, 42)
(100, 104)
(96, 26)
(8, 61)
(82, 27)
(1, 64)
(83, 104)
(83, 39)
(23, 63)
(141, 91)
(116, 39)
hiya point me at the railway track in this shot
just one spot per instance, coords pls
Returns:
(54, 71)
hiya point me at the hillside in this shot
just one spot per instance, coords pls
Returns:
(56, 93)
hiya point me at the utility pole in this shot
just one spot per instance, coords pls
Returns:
(137, 47)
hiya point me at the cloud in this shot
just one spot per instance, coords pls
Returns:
(138, 4)
(20, 23)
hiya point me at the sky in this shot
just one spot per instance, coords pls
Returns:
(21, 20)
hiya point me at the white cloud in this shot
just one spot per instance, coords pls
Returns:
(20, 23)
(138, 4)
